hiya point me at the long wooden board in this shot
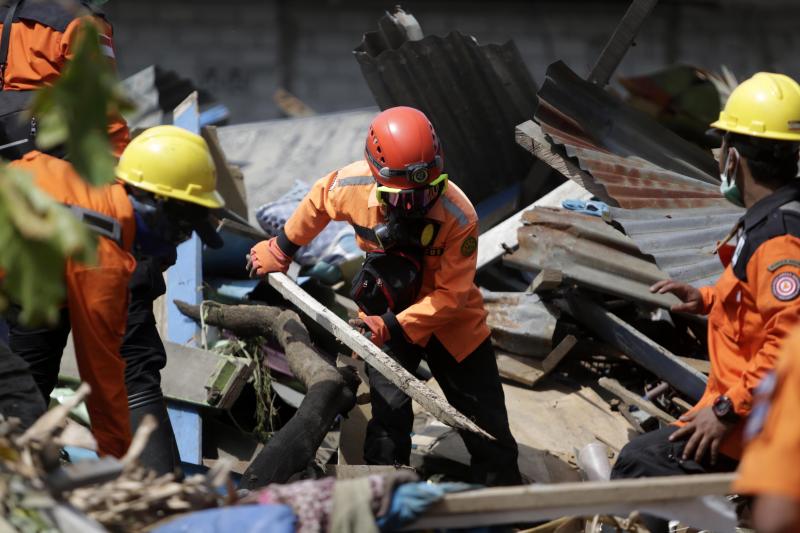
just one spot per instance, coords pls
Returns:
(503, 505)
(374, 356)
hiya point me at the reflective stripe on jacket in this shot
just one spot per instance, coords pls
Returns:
(40, 45)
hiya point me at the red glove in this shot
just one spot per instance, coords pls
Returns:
(266, 257)
(380, 333)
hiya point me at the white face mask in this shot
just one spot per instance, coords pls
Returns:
(728, 186)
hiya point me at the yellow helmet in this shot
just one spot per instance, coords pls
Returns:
(172, 162)
(767, 105)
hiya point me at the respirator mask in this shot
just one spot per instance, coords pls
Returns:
(728, 186)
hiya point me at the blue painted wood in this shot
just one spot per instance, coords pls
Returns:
(184, 282)
(185, 278)
(188, 428)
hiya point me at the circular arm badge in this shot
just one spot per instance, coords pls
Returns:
(786, 286)
(469, 246)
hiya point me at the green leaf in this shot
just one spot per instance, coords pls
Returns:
(37, 236)
(75, 110)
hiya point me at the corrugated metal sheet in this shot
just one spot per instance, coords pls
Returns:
(576, 107)
(589, 252)
(682, 241)
(275, 153)
(520, 322)
(665, 188)
(474, 95)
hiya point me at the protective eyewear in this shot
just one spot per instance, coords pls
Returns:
(412, 199)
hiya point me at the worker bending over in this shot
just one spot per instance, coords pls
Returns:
(416, 290)
(754, 304)
(168, 186)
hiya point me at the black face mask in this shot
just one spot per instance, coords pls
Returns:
(159, 228)
(402, 231)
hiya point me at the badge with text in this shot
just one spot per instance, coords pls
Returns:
(469, 246)
(786, 286)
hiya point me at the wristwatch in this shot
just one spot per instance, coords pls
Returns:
(723, 409)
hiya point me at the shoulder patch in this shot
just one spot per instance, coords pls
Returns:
(783, 262)
(469, 246)
(786, 286)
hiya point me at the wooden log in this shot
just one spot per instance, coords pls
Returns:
(330, 391)
(630, 398)
(637, 346)
(434, 403)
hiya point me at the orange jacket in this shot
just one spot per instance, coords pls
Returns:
(450, 306)
(40, 45)
(749, 318)
(97, 297)
(771, 462)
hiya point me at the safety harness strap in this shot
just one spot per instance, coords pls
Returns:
(6, 38)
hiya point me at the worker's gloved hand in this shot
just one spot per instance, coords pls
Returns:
(266, 257)
(379, 333)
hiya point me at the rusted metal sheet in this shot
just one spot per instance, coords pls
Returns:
(589, 253)
(474, 95)
(664, 189)
(520, 322)
(682, 241)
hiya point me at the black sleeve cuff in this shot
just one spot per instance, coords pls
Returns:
(395, 331)
(286, 246)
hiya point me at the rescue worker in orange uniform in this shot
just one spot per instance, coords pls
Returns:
(755, 303)
(398, 197)
(40, 42)
(168, 187)
(767, 470)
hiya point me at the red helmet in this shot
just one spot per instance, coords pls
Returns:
(403, 150)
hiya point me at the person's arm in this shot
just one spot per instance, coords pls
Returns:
(453, 282)
(314, 212)
(97, 298)
(773, 271)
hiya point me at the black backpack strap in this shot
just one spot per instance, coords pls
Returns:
(6, 38)
(782, 221)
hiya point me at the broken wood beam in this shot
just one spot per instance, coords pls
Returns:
(559, 353)
(630, 398)
(508, 505)
(374, 356)
(518, 369)
(547, 280)
(637, 346)
(330, 391)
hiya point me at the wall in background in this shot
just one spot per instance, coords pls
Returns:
(243, 50)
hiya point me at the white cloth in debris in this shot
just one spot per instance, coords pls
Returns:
(334, 245)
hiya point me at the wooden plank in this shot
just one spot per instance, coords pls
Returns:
(547, 280)
(637, 346)
(614, 387)
(186, 276)
(621, 40)
(230, 182)
(188, 428)
(529, 371)
(495, 242)
(701, 365)
(522, 370)
(185, 376)
(434, 403)
(504, 505)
